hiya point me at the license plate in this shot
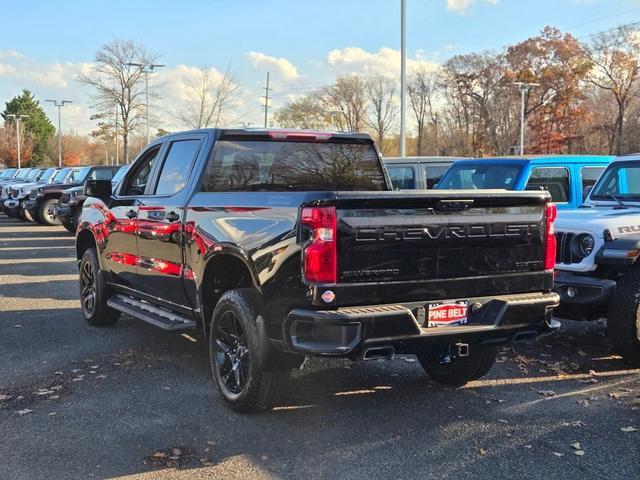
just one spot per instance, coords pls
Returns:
(447, 314)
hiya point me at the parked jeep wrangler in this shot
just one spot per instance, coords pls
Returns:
(286, 243)
(598, 248)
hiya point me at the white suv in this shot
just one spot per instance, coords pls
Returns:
(598, 274)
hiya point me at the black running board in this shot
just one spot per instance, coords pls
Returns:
(146, 312)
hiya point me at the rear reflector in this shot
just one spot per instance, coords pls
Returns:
(299, 135)
(320, 255)
(550, 255)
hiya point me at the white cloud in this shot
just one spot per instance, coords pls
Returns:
(10, 54)
(6, 70)
(280, 64)
(461, 6)
(385, 61)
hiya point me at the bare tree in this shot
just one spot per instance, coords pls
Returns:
(616, 68)
(422, 88)
(382, 110)
(211, 95)
(115, 82)
(345, 102)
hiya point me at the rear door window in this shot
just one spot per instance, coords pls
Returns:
(402, 178)
(554, 180)
(589, 177)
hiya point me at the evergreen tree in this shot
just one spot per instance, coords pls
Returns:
(37, 125)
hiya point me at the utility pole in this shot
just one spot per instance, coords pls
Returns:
(403, 74)
(17, 119)
(523, 87)
(266, 101)
(146, 68)
(59, 105)
(116, 137)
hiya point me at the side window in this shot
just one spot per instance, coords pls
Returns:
(136, 183)
(402, 178)
(555, 180)
(590, 176)
(433, 174)
(175, 169)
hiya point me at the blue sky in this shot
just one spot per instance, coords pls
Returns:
(43, 44)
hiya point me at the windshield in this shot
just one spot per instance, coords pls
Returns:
(82, 174)
(620, 180)
(33, 174)
(60, 175)
(8, 173)
(22, 173)
(480, 176)
(47, 175)
(247, 165)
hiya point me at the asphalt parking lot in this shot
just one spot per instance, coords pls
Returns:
(134, 402)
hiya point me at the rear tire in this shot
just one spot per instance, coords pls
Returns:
(245, 378)
(461, 369)
(623, 320)
(94, 292)
(46, 212)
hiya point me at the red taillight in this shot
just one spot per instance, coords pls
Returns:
(320, 255)
(550, 256)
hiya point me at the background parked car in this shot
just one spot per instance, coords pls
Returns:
(69, 205)
(416, 173)
(12, 193)
(566, 177)
(44, 197)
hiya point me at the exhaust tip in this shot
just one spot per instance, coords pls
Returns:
(387, 352)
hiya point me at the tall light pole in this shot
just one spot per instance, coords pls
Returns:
(524, 87)
(17, 119)
(59, 104)
(146, 68)
(403, 67)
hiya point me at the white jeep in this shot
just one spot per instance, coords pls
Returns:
(598, 246)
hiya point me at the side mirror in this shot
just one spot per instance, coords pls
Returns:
(98, 188)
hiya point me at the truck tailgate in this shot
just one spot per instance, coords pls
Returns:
(398, 237)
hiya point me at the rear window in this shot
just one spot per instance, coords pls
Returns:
(433, 174)
(480, 177)
(402, 178)
(255, 166)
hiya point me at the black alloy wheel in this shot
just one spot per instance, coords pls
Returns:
(231, 352)
(88, 288)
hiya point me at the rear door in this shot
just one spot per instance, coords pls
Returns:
(120, 256)
(161, 223)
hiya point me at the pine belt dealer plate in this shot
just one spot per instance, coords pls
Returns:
(447, 314)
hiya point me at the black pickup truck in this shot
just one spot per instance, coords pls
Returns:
(286, 243)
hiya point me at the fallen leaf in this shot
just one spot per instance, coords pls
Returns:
(581, 353)
(159, 455)
(264, 457)
(547, 393)
(176, 451)
(629, 429)
(483, 451)
(5, 397)
(410, 360)
(579, 452)
(558, 454)
(24, 411)
(576, 446)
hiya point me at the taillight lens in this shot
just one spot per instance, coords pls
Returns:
(320, 255)
(550, 256)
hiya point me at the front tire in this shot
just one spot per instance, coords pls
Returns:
(46, 212)
(238, 355)
(623, 320)
(94, 293)
(459, 370)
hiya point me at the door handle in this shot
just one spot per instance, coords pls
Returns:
(172, 217)
(131, 214)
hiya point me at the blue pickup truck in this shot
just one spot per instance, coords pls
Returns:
(567, 178)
